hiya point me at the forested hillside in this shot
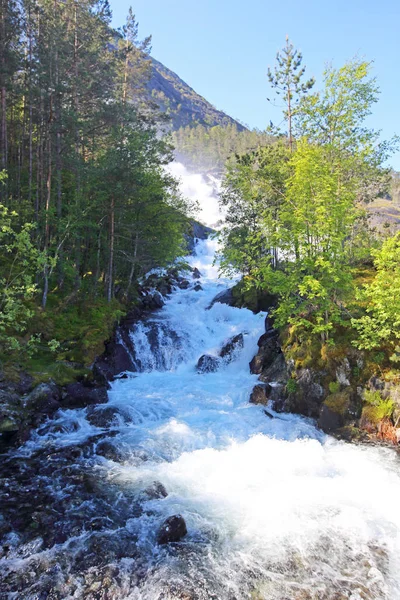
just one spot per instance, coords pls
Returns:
(181, 103)
(86, 206)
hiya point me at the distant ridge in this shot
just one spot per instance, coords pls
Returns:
(185, 106)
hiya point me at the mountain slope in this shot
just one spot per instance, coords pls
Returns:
(182, 103)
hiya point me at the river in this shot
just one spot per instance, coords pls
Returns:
(275, 509)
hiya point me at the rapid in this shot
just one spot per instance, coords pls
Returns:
(275, 509)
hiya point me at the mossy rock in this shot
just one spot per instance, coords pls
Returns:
(339, 402)
(335, 411)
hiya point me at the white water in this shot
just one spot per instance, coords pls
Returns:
(275, 509)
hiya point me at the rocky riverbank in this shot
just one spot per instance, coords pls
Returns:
(338, 386)
(25, 406)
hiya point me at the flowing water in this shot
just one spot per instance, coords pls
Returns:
(275, 509)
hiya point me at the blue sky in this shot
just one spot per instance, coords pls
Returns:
(222, 48)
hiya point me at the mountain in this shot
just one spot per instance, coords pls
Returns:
(182, 103)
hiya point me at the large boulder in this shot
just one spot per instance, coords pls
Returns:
(112, 362)
(196, 273)
(231, 347)
(79, 395)
(335, 411)
(45, 398)
(208, 364)
(260, 394)
(172, 530)
(103, 416)
(224, 297)
(268, 351)
(155, 491)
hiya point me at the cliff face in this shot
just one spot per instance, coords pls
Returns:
(182, 103)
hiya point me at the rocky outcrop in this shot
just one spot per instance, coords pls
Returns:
(231, 347)
(172, 530)
(261, 394)
(208, 364)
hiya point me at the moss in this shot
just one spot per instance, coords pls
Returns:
(338, 402)
(334, 387)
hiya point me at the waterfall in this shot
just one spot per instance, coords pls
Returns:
(274, 508)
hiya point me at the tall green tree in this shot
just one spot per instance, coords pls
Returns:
(287, 78)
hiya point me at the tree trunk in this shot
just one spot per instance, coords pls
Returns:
(110, 281)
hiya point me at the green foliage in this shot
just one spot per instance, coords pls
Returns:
(334, 387)
(377, 408)
(294, 222)
(210, 148)
(381, 323)
(19, 262)
(291, 386)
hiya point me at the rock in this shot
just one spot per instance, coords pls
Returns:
(45, 398)
(79, 395)
(153, 301)
(276, 372)
(112, 362)
(260, 394)
(225, 297)
(343, 372)
(9, 423)
(156, 491)
(103, 416)
(229, 349)
(172, 530)
(197, 288)
(196, 273)
(208, 364)
(183, 284)
(110, 451)
(268, 351)
(335, 411)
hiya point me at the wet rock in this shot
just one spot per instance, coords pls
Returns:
(276, 372)
(110, 451)
(172, 530)
(112, 362)
(79, 395)
(196, 273)
(197, 288)
(156, 491)
(10, 412)
(183, 284)
(224, 297)
(260, 394)
(103, 416)
(153, 301)
(229, 349)
(208, 364)
(268, 351)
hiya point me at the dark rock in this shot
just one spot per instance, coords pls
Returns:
(172, 530)
(156, 491)
(268, 414)
(197, 288)
(153, 301)
(110, 451)
(225, 297)
(269, 323)
(268, 351)
(276, 372)
(208, 364)
(79, 395)
(196, 273)
(103, 416)
(183, 284)
(45, 398)
(112, 362)
(260, 394)
(229, 349)
(309, 395)
(330, 420)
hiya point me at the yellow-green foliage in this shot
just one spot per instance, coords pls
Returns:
(377, 408)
